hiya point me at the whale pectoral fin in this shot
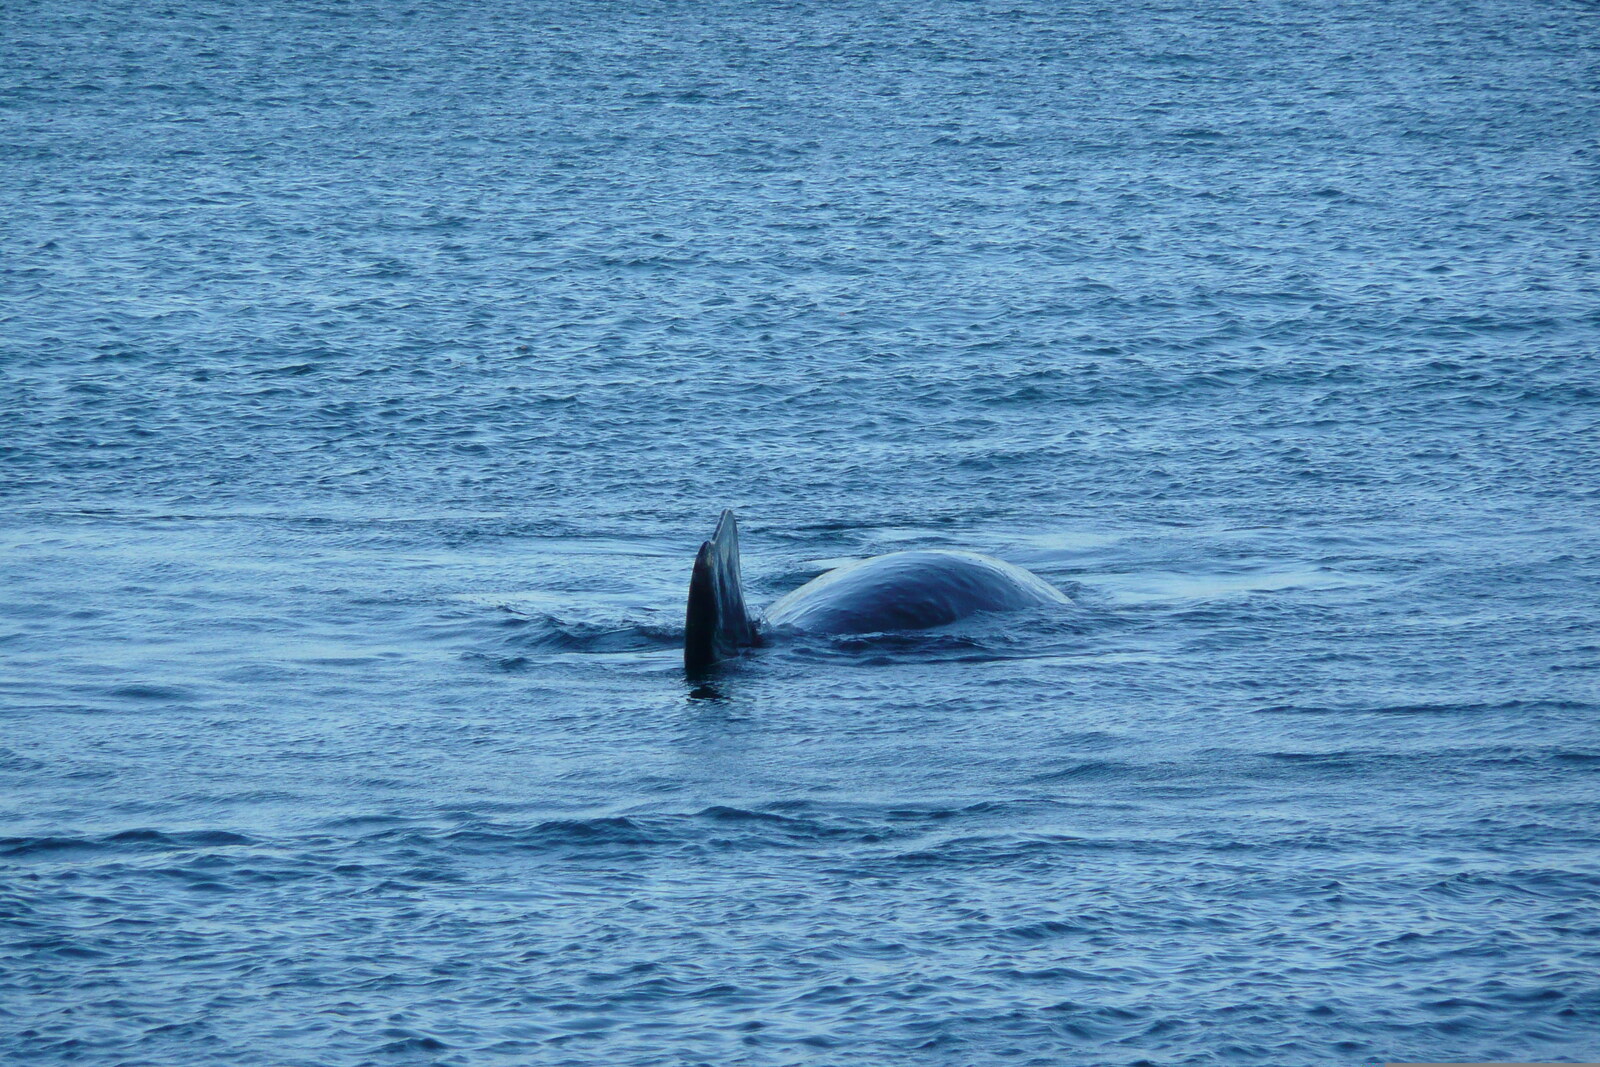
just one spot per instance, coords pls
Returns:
(716, 624)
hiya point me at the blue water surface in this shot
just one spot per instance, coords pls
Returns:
(370, 372)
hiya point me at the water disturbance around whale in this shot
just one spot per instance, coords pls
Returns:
(914, 590)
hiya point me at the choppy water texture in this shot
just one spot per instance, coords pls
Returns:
(371, 372)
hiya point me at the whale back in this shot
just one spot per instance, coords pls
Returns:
(716, 624)
(910, 591)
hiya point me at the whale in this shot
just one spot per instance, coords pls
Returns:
(912, 590)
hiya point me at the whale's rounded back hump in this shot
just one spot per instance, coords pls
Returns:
(910, 591)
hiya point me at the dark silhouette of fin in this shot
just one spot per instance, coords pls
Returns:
(717, 624)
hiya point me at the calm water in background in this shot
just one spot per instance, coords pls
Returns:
(371, 371)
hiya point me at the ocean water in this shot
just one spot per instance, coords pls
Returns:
(370, 372)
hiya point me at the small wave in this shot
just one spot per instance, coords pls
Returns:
(1091, 770)
(1465, 708)
(548, 633)
(410, 1043)
(11, 760)
(145, 840)
(151, 693)
(985, 850)
(718, 828)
